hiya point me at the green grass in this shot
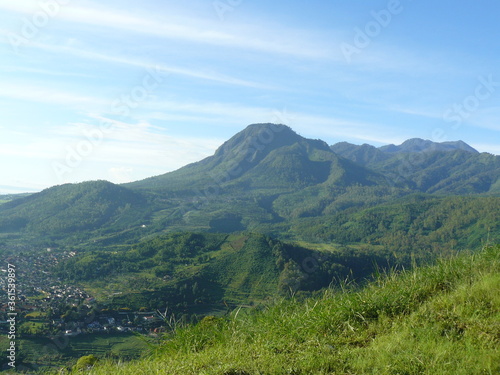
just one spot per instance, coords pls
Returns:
(442, 319)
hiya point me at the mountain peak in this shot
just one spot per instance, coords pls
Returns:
(264, 155)
(420, 145)
(267, 126)
(255, 137)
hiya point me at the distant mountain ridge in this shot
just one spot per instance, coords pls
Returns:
(263, 175)
(446, 167)
(421, 145)
(408, 146)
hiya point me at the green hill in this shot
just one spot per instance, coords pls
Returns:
(73, 208)
(441, 319)
(195, 273)
(416, 224)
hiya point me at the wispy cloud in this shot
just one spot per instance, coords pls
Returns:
(229, 111)
(336, 129)
(190, 29)
(182, 71)
(417, 111)
(9, 189)
(47, 95)
(128, 141)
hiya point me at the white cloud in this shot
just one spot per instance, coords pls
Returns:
(191, 29)
(228, 111)
(416, 111)
(17, 189)
(141, 147)
(335, 128)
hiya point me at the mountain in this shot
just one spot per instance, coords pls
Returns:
(421, 145)
(365, 154)
(426, 166)
(245, 182)
(72, 208)
(263, 156)
(262, 178)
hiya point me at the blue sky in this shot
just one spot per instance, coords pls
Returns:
(123, 90)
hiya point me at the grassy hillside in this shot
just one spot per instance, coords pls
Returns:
(442, 319)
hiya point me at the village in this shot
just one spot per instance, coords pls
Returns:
(46, 306)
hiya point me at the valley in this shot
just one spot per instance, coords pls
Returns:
(270, 217)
